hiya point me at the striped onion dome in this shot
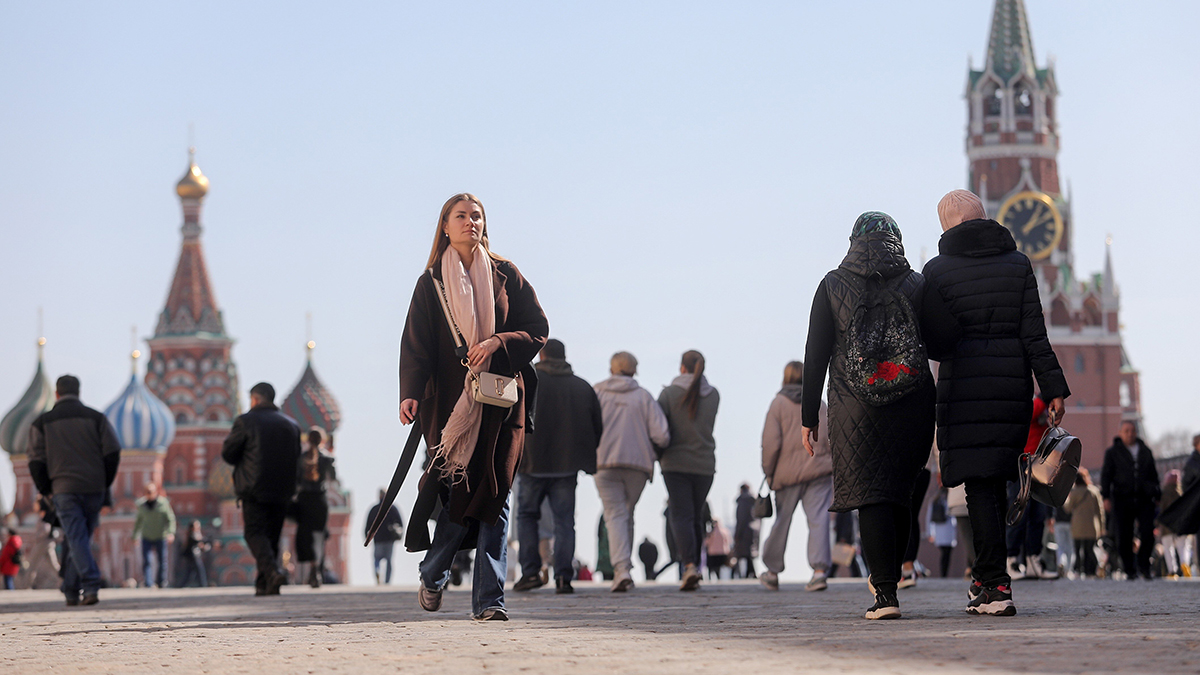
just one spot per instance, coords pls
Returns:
(142, 421)
(37, 399)
(310, 403)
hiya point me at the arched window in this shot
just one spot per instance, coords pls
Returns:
(1023, 100)
(993, 97)
(1080, 366)
(1124, 395)
(1092, 316)
(1059, 314)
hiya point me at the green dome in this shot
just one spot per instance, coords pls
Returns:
(37, 399)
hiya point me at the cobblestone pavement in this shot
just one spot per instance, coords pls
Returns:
(1062, 627)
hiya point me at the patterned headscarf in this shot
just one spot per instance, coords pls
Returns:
(874, 221)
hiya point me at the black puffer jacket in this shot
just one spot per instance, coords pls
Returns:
(877, 451)
(264, 448)
(985, 392)
(1122, 479)
(568, 420)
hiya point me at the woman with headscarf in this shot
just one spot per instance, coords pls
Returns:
(474, 446)
(878, 448)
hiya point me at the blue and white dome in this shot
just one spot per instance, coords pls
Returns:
(142, 421)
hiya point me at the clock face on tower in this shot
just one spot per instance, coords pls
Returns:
(1034, 222)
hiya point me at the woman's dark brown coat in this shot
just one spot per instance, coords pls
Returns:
(431, 374)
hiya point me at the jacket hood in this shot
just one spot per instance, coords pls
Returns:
(685, 380)
(617, 384)
(876, 253)
(792, 392)
(977, 239)
(553, 367)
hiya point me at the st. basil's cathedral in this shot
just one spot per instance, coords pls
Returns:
(172, 424)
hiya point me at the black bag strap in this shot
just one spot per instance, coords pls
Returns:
(402, 467)
(762, 485)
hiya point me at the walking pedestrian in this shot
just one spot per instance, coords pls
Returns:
(908, 568)
(11, 555)
(1129, 484)
(634, 425)
(745, 531)
(73, 458)
(716, 548)
(155, 525)
(1024, 538)
(796, 479)
(942, 528)
(1173, 545)
(1191, 469)
(191, 556)
(474, 446)
(569, 425)
(1086, 506)
(391, 531)
(690, 459)
(315, 469)
(264, 448)
(878, 444)
(648, 554)
(985, 391)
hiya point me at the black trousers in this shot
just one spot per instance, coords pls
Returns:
(945, 561)
(884, 532)
(1085, 556)
(686, 493)
(1127, 511)
(914, 527)
(987, 506)
(262, 524)
(312, 516)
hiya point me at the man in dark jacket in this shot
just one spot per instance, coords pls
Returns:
(563, 444)
(385, 540)
(984, 391)
(1191, 470)
(73, 458)
(1130, 487)
(264, 448)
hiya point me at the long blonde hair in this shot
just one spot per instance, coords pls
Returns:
(441, 241)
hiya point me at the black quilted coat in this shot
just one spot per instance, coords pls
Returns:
(877, 451)
(985, 392)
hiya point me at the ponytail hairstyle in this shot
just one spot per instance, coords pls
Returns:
(693, 362)
(441, 242)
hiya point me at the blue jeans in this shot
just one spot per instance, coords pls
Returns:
(491, 560)
(561, 493)
(159, 549)
(79, 514)
(383, 553)
(10, 582)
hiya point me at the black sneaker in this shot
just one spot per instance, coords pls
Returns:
(528, 583)
(562, 586)
(993, 601)
(886, 607)
(72, 599)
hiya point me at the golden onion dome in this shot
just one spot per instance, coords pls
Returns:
(194, 184)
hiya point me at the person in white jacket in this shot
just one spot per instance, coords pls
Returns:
(796, 478)
(633, 424)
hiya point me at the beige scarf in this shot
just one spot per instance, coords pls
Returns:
(473, 304)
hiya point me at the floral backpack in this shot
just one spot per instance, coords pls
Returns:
(884, 358)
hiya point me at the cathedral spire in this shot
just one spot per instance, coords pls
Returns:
(191, 308)
(1010, 45)
(1110, 288)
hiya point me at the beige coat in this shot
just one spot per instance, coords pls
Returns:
(785, 462)
(1086, 507)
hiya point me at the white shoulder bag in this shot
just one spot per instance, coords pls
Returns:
(488, 388)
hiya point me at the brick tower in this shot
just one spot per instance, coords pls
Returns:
(1012, 150)
(192, 370)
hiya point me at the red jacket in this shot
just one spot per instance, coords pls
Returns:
(1037, 426)
(7, 567)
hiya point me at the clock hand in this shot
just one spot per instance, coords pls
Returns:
(1034, 220)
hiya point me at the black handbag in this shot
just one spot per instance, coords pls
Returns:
(1048, 474)
(763, 508)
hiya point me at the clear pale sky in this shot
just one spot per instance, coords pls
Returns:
(667, 175)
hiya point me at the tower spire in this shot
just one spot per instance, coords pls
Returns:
(1010, 45)
(309, 345)
(1109, 284)
(191, 307)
